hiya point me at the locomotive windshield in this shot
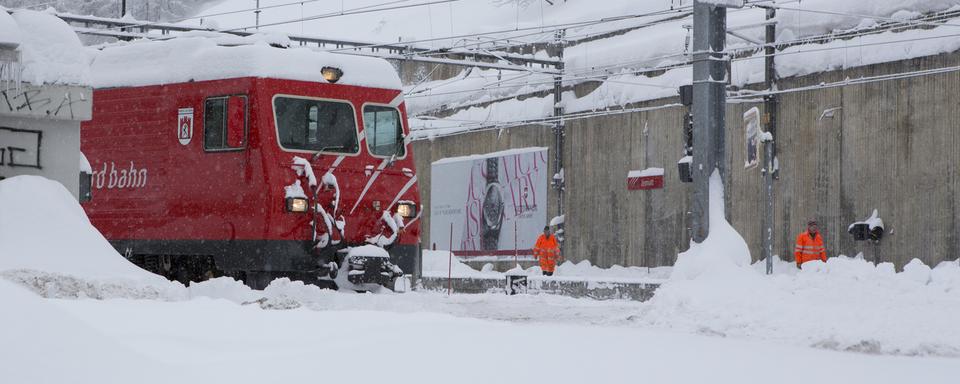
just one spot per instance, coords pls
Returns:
(381, 125)
(316, 125)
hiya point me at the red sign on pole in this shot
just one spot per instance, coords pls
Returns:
(650, 178)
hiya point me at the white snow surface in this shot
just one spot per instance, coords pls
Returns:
(723, 249)
(619, 61)
(9, 30)
(209, 340)
(51, 53)
(843, 304)
(557, 220)
(729, 324)
(43, 228)
(368, 251)
(504, 153)
(436, 263)
(653, 171)
(85, 164)
(303, 168)
(872, 222)
(195, 58)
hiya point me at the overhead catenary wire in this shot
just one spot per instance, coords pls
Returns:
(861, 16)
(749, 95)
(539, 121)
(752, 96)
(355, 11)
(156, 23)
(732, 51)
(550, 29)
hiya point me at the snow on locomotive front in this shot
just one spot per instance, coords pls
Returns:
(252, 161)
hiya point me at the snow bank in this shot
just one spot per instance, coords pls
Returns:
(844, 304)
(50, 51)
(436, 263)
(199, 58)
(723, 252)
(223, 288)
(41, 343)
(42, 227)
(48, 245)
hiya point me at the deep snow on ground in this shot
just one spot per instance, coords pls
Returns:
(864, 323)
(204, 340)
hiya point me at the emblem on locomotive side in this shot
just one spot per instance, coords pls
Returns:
(185, 125)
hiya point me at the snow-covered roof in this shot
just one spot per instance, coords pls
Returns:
(200, 58)
(50, 52)
(9, 31)
(514, 151)
(645, 172)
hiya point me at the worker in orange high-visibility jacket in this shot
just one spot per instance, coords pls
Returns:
(809, 245)
(547, 251)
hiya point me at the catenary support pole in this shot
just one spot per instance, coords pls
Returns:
(558, 129)
(770, 107)
(516, 245)
(709, 102)
(257, 12)
(450, 264)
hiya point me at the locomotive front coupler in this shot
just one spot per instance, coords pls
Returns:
(327, 259)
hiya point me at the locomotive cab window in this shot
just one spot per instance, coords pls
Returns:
(316, 125)
(383, 130)
(224, 123)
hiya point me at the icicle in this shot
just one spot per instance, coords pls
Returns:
(11, 72)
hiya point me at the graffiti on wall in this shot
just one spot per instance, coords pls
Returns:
(20, 148)
(50, 101)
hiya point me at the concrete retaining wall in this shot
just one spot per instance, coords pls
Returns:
(892, 146)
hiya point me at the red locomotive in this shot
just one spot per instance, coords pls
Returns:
(252, 161)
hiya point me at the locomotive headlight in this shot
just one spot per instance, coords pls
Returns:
(407, 210)
(296, 204)
(331, 74)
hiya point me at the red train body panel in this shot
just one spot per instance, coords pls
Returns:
(216, 197)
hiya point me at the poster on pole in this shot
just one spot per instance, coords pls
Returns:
(497, 203)
(751, 126)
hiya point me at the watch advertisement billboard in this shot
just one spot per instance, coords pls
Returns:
(497, 202)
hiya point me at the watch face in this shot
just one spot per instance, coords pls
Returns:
(493, 170)
(493, 207)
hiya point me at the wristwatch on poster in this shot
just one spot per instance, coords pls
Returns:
(492, 207)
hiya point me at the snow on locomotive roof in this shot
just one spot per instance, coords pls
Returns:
(199, 58)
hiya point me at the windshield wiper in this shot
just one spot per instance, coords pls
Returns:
(324, 149)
